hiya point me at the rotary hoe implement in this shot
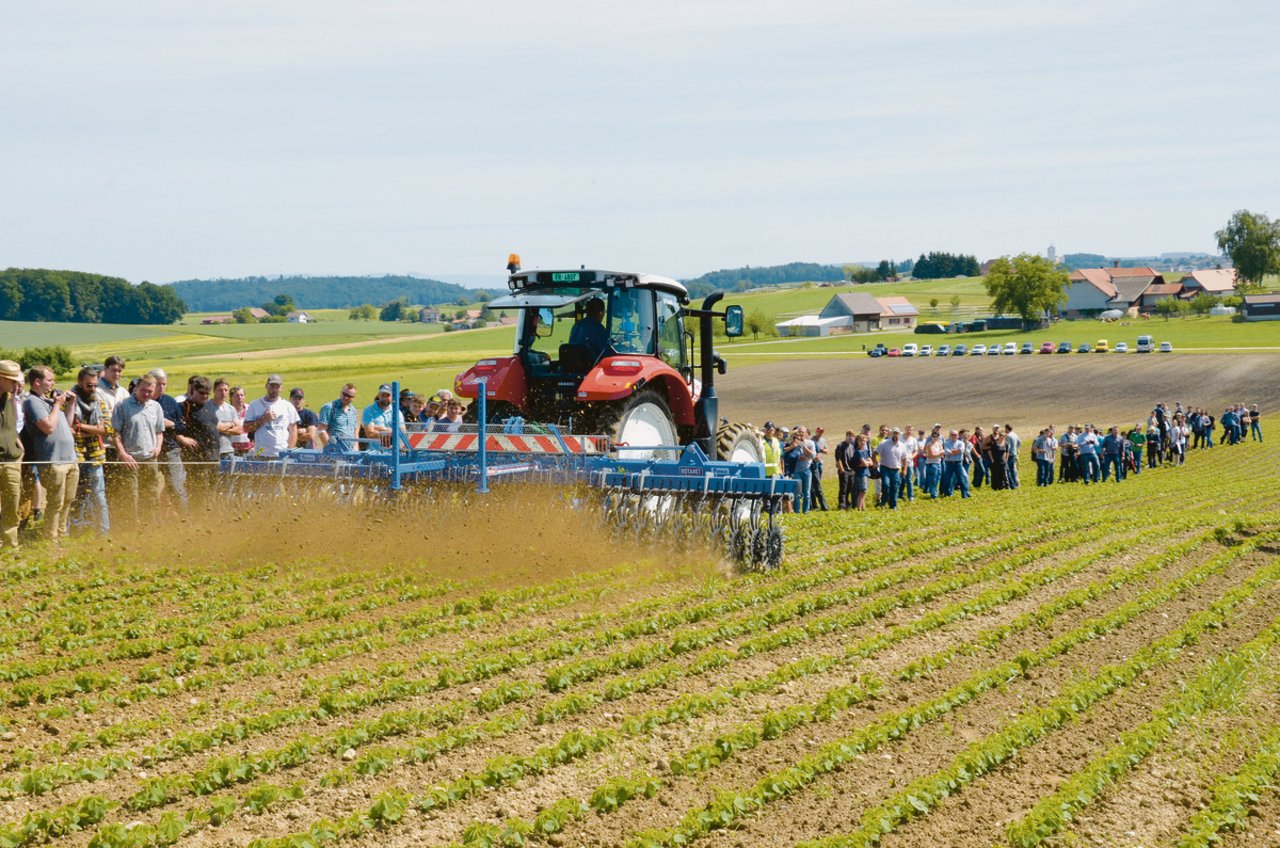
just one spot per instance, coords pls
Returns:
(601, 402)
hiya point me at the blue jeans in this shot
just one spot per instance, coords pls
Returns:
(1011, 470)
(906, 486)
(1044, 472)
(955, 475)
(805, 479)
(890, 480)
(1255, 430)
(1090, 470)
(91, 500)
(1113, 460)
(979, 471)
(932, 476)
(1137, 460)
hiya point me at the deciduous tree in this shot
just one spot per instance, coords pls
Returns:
(1027, 286)
(1253, 242)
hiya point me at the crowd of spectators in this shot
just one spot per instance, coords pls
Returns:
(69, 457)
(897, 463)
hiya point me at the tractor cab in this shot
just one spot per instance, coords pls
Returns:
(606, 352)
(586, 339)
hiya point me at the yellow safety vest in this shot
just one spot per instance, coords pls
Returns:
(772, 457)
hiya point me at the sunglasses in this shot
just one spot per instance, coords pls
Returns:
(348, 395)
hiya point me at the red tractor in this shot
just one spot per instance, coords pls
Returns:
(608, 352)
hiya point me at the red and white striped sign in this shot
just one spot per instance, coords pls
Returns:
(502, 442)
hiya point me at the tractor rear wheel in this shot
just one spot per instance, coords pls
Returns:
(739, 443)
(643, 420)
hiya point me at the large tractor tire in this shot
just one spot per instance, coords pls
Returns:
(739, 443)
(644, 420)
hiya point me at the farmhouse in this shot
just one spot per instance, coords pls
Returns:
(298, 317)
(1092, 291)
(1261, 307)
(853, 313)
(259, 313)
(1215, 281)
(216, 319)
(428, 315)
(1156, 293)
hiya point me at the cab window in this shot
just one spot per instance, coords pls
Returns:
(670, 330)
(631, 321)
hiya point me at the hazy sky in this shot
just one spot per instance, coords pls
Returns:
(162, 140)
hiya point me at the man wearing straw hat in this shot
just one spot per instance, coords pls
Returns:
(10, 453)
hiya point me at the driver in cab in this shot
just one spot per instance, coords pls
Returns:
(589, 330)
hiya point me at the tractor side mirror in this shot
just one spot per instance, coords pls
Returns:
(733, 321)
(545, 319)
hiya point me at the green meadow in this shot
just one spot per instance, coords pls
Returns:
(323, 355)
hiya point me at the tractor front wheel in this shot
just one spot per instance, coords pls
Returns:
(639, 424)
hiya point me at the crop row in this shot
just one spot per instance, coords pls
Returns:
(923, 794)
(771, 726)
(927, 792)
(1217, 684)
(105, 608)
(417, 624)
(1232, 797)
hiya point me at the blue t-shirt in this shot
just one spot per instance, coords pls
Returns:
(340, 422)
(591, 335)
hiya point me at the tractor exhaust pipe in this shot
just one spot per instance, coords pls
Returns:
(708, 407)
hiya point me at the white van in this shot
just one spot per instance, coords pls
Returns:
(1145, 345)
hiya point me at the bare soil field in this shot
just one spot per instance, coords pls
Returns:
(1027, 391)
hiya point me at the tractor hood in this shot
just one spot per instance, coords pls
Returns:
(536, 300)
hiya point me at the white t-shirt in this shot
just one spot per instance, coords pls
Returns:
(892, 455)
(912, 444)
(270, 439)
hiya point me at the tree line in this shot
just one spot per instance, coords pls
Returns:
(316, 292)
(938, 265)
(39, 294)
(741, 279)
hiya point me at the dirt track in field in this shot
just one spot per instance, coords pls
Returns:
(1026, 391)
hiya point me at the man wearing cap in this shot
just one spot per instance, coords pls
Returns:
(934, 452)
(272, 420)
(308, 421)
(339, 418)
(10, 453)
(772, 451)
(377, 416)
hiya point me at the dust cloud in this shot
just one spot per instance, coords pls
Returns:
(515, 535)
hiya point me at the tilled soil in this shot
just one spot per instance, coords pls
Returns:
(1029, 392)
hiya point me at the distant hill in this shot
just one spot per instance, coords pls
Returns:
(741, 279)
(316, 292)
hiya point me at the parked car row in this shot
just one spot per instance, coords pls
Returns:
(1145, 345)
